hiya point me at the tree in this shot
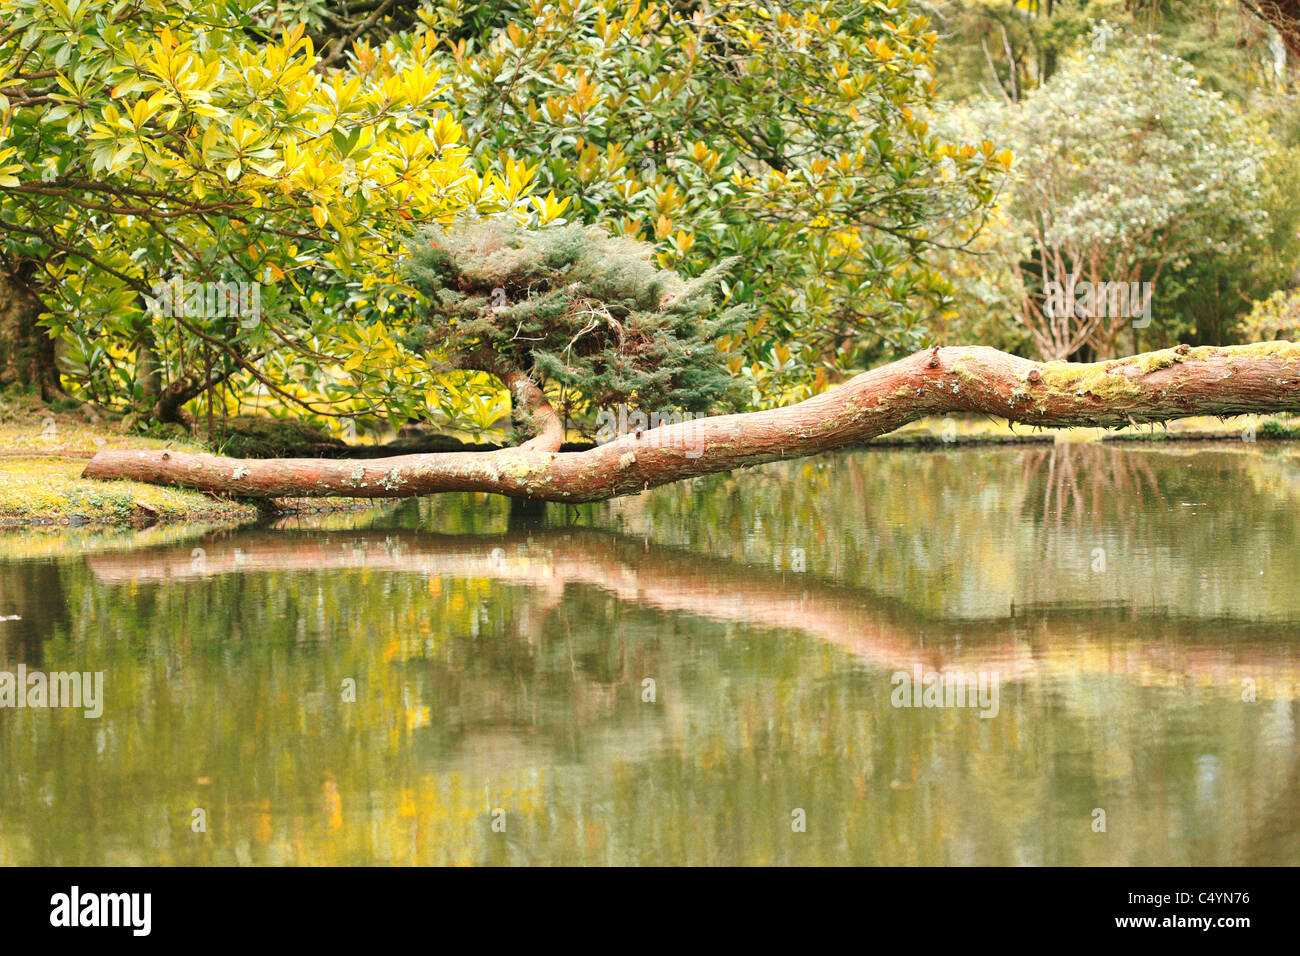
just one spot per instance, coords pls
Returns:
(1004, 50)
(1155, 387)
(1281, 15)
(792, 135)
(1126, 167)
(207, 141)
(223, 141)
(26, 351)
(1276, 317)
(573, 307)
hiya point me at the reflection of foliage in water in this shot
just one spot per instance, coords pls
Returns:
(476, 690)
(970, 533)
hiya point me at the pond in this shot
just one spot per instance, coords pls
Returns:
(733, 670)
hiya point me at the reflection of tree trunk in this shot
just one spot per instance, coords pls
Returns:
(526, 515)
(32, 591)
(26, 352)
(1160, 386)
(879, 631)
(1109, 476)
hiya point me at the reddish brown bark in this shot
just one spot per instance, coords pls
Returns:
(1154, 387)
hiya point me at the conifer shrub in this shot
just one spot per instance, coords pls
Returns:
(584, 314)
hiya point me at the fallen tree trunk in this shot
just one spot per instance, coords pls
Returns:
(1153, 387)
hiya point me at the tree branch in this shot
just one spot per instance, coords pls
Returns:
(1153, 387)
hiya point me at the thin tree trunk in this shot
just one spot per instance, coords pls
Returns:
(1153, 387)
(148, 371)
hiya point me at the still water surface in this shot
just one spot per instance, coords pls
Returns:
(685, 676)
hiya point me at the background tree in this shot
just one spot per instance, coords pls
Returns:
(1282, 15)
(1127, 167)
(790, 135)
(1001, 50)
(218, 139)
(297, 146)
(196, 139)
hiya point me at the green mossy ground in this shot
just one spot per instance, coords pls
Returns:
(982, 430)
(51, 491)
(44, 448)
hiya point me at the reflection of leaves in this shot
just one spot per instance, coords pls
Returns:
(531, 683)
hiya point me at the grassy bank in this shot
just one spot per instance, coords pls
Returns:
(49, 490)
(983, 430)
(43, 450)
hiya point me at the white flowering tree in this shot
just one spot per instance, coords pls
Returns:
(1125, 166)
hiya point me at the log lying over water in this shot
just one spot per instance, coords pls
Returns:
(1153, 387)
